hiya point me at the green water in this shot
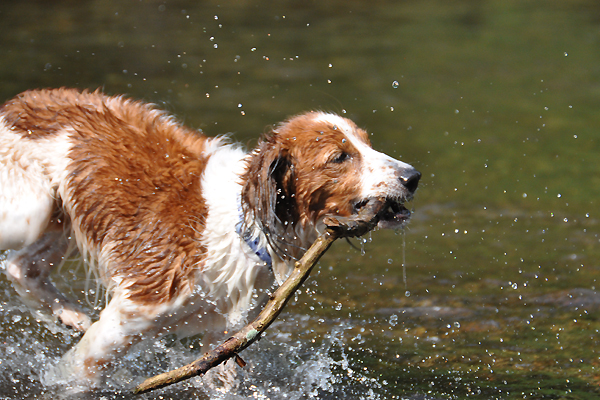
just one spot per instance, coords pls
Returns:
(493, 101)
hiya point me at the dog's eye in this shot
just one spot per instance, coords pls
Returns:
(340, 158)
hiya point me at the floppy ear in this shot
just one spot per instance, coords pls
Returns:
(268, 191)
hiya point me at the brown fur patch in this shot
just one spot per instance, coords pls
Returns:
(134, 182)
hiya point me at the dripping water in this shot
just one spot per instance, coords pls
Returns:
(406, 292)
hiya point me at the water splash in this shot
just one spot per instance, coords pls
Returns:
(313, 366)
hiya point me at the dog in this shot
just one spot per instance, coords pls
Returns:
(187, 233)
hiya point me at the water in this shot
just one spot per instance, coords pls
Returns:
(493, 101)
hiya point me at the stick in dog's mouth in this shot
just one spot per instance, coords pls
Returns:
(393, 214)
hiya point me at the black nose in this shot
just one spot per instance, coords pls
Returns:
(410, 179)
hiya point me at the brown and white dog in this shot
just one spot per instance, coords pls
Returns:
(186, 232)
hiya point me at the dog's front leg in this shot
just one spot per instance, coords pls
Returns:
(121, 325)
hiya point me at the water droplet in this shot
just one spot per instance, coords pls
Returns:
(390, 261)
(407, 293)
(393, 320)
(566, 54)
(395, 84)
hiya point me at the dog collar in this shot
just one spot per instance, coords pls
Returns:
(261, 252)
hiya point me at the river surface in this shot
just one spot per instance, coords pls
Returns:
(495, 102)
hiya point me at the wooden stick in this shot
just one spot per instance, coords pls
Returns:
(365, 221)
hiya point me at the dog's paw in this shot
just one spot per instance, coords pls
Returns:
(74, 319)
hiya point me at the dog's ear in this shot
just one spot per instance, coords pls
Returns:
(268, 191)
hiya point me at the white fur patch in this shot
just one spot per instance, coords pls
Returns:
(379, 175)
(231, 267)
(30, 173)
(339, 123)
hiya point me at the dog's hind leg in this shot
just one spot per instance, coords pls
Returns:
(29, 174)
(29, 270)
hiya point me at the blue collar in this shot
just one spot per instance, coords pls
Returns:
(261, 252)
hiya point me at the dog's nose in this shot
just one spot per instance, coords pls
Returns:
(410, 179)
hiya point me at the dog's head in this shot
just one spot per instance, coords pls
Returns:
(316, 165)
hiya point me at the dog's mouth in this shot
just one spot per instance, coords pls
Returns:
(393, 215)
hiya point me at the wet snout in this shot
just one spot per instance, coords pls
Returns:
(410, 179)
